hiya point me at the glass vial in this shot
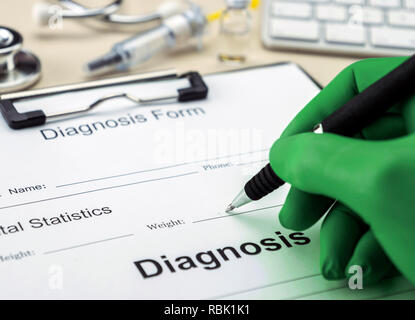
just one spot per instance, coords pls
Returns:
(235, 26)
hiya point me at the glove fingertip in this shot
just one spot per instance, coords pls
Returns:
(287, 220)
(331, 270)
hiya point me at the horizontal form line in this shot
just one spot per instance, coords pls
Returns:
(96, 190)
(394, 294)
(236, 214)
(345, 287)
(252, 162)
(155, 169)
(88, 243)
(317, 292)
(116, 176)
(267, 286)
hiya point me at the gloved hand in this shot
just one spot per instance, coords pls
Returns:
(371, 175)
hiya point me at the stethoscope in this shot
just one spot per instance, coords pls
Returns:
(69, 9)
(20, 68)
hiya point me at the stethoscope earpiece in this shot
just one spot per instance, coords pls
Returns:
(68, 9)
(19, 69)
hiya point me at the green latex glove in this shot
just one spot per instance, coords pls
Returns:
(371, 175)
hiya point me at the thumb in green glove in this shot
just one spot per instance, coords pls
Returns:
(373, 178)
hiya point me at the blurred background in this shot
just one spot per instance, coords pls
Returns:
(63, 51)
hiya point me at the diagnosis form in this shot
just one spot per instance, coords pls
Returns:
(128, 201)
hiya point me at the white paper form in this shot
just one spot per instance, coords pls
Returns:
(128, 202)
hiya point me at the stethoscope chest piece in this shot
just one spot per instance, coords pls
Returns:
(19, 69)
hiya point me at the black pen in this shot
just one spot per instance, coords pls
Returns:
(351, 118)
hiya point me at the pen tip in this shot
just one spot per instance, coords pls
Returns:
(229, 208)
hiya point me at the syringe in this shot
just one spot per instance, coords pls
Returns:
(174, 31)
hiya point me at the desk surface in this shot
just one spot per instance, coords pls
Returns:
(64, 51)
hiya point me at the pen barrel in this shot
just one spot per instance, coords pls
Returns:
(373, 102)
(263, 183)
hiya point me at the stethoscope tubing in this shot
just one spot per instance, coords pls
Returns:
(108, 13)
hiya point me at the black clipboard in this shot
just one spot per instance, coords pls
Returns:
(196, 91)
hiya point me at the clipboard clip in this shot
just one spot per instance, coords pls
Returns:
(196, 91)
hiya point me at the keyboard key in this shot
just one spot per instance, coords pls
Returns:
(331, 12)
(410, 4)
(345, 33)
(294, 29)
(393, 37)
(350, 1)
(372, 15)
(385, 3)
(367, 15)
(402, 18)
(291, 9)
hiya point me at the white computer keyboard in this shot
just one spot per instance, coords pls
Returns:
(363, 27)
